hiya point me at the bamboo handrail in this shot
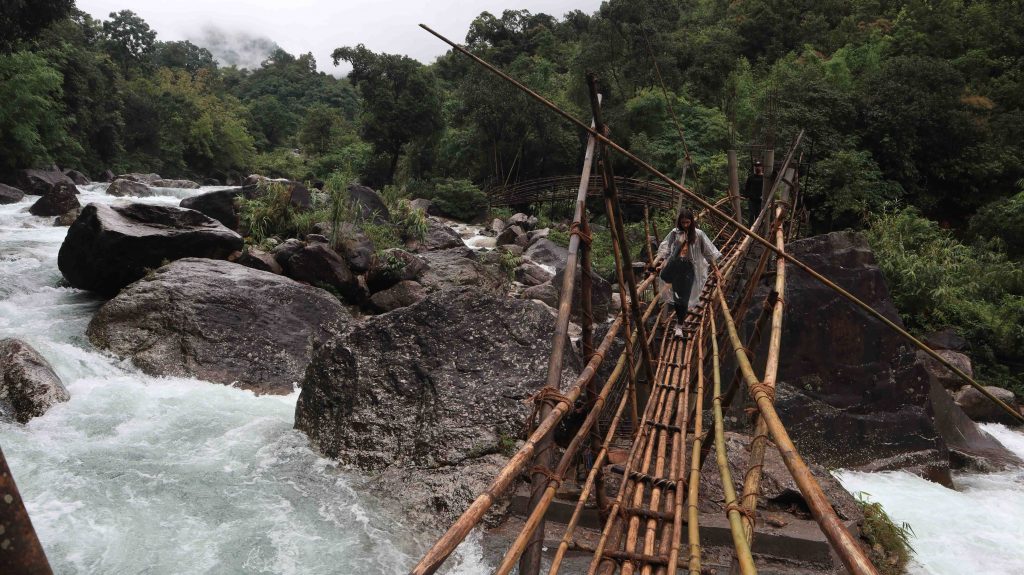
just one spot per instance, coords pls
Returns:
(842, 542)
(704, 203)
(746, 561)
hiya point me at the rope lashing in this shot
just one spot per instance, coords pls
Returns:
(761, 388)
(739, 509)
(577, 230)
(553, 478)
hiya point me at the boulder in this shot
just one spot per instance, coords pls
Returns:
(438, 237)
(253, 179)
(67, 218)
(545, 293)
(403, 294)
(423, 205)
(9, 195)
(393, 266)
(531, 274)
(299, 195)
(497, 226)
(600, 294)
(318, 265)
(430, 395)
(851, 392)
(371, 205)
(122, 187)
(212, 182)
(182, 184)
(59, 200)
(107, 176)
(944, 375)
(945, 339)
(459, 267)
(355, 245)
(28, 384)
(512, 249)
(779, 492)
(140, 178)
(220, 204)
(535, 235)
(40, 182)
(221, 322)
(109, 247)
(77, 177)
(980, 408)
(546, 252)
(510, 235)
(259, 260)
(969, 446)
(520, 220)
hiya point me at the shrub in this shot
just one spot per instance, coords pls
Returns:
(889, 543)
(1004, 220)
(937, 281)
(270, 213)
(458, 199)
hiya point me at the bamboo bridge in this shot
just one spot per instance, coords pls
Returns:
(662, 387)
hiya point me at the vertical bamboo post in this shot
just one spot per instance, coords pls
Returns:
(21, 551)
(734, 185)
(530, 562)
(586, 286)
(769, 176)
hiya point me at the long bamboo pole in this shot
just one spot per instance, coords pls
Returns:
(752, 481)
(735, 525)
(704, 203)
(692, 506)
(842, 542)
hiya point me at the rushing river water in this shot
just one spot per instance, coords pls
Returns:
(138, 474)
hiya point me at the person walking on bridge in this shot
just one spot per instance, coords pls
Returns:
(753, 190)
(685, 253)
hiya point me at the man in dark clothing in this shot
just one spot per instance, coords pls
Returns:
(752, 192)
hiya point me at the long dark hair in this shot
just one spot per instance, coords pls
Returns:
(691, 234)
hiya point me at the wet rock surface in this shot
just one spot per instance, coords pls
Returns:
(429, 394)
(28, 384)
(220, 204)
(221, 322)
(9, 195)
(109, 247)
(459, 267)
(123, 187)
(62, 198)
(39, 182)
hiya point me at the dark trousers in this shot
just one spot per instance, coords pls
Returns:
(754, 208)
(682, 283)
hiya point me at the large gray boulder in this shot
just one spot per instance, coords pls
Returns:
(220, 205)
(402, 294)
(181, 184)
(141, 178)
(981, 408)
(77, 177)
(39, 182)
(546, 252)
(123, 188)
(221, 322)
(317, 264)
(109, 247)
(393, 266)
(28, 384)
(459, 267)
(62, 198)
(371, 205)
(600, 294)
(438, 237)
(9, 195)
(430, 395)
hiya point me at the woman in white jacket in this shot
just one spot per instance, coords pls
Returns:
(690, 244)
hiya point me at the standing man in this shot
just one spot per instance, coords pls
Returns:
(752, 192)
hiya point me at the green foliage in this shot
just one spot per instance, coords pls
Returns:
(33, 129)
(936, 281)
(508, 262)
(23, 19)
(459, 199)
(889, 543)
(846, 190)
(271, 214)
(1002, 220)
(130, 40)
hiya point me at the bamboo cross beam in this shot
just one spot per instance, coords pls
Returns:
(711, 208)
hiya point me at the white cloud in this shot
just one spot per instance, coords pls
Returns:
(320, 26)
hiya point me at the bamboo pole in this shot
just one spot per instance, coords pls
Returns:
(586, 286)
(752, 481)
(698, 430)
(734, 184)
(842, 542)
(530, 564)
(746, 561)
(750, 233)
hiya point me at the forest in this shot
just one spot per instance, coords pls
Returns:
(913, 113)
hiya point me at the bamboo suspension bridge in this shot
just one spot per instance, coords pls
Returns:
(663, 385)
(665, 396)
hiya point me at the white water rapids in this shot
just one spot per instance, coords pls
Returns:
(138, 474)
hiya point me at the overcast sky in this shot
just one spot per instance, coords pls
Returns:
(320, 26)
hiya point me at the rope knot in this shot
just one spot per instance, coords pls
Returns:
(577, 230)
(762, 388)
(551, 475)
(741, 510)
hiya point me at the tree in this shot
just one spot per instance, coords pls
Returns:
(33, 127)
(402, 100)
(24, 19)
(184, 55)
(129, 39)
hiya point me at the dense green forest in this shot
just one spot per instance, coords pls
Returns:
(913, 111)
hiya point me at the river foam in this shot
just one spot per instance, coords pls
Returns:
(139, 474)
